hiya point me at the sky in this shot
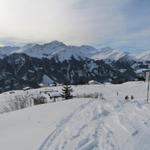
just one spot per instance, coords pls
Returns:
(122, 24)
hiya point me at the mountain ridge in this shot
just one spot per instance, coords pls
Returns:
(65, 52)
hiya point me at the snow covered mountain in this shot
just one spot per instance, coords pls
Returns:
(43, 50)
(19, 70)
(7, 50)
(57, 50)
(110, 54)
(61, 52)
(78, 53)
(34, 64)
(143, 56)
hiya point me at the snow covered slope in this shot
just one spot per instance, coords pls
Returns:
(43, 50)
(143, 56)
(82, 123)
(26, 129)
(103, 125)
(111, 54)
(7, 50)
(78, 53)
(47, 81)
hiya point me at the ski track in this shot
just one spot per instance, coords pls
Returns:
(102, 125)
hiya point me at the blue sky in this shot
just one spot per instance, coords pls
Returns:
(122, 24)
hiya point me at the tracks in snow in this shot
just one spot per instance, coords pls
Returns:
(99, 125)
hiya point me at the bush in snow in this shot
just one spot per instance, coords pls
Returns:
(18, 102)
(39, 99)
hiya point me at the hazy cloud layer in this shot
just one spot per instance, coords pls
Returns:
(117, 23)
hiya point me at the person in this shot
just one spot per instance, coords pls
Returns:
(117, 93)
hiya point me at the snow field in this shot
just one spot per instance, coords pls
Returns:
(81, 123)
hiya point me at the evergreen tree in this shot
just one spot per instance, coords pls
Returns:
(67, 92)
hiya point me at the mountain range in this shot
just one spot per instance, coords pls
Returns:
(33, 64)
(59, 50)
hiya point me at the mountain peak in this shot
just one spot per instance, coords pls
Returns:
(55, 43)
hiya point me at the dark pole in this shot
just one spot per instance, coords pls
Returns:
(148, 86)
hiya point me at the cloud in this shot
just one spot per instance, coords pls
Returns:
(111, 22)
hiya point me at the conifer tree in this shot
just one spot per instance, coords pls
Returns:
(67, 92)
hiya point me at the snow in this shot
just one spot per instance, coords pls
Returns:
(143, 56)
(26, 129)
(110, 54)
(7, 50)
(81, 123)
(61, 52)
(41, 50)
(46, 80)
(57, 50)
(67, 52)
(93, 82)
(142, 70)
(103, 126)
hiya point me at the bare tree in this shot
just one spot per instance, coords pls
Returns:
(18, 102)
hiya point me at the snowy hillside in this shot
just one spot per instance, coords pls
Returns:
(108, 123)
(110, 54)
(143, 56)
(78, 53)
(7, 50)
